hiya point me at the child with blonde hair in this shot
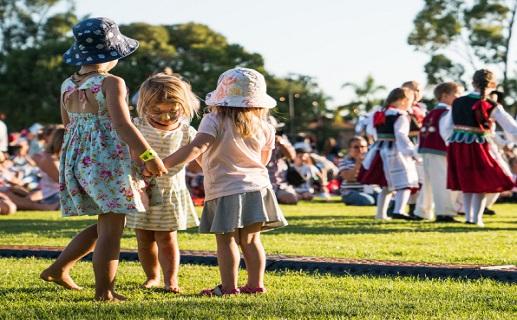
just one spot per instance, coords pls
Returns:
(235, 142)
(96, 176)
(166, 106)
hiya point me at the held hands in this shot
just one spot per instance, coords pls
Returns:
(154, 167)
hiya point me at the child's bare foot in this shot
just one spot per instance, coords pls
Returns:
(110, 296)
(172, 289)
(171, 285)
(62, 279)
(151, 283)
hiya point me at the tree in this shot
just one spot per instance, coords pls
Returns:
(23, 22)
(462, 36)
(366, 97)
(31, 68)
(31, 73)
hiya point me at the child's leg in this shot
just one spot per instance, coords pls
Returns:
(401, 200)
(148, 256)
(478, 207)
(169, 256)
(383, 201)
(254, 255)
(106, 255)
(467, 204)
(81, 245)
(228, 258)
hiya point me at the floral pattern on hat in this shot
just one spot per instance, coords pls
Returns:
(241, 87)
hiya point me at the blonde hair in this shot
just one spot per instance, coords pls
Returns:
(397, 94)
(246, 121)
(162, 88)
(412, 85)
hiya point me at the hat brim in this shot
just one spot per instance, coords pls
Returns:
(263, 101)
(77, 57)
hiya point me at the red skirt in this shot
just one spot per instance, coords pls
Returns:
(472, 169)
(374, 174)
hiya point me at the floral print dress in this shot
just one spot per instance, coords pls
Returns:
(96, 173)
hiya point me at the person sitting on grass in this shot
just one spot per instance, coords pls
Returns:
(47, 197)
(354, 193)
(278, 165)
(310, 173)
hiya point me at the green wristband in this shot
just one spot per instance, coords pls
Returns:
(148, 154)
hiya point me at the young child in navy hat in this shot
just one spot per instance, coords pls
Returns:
(96, 176)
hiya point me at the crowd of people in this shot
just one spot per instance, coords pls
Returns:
(149, 171)
(29, 166)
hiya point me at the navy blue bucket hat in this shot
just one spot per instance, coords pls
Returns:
(98, 40)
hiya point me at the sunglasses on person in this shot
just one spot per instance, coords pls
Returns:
(165, 115)
(360, 147)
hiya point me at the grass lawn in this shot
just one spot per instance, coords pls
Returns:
(320, 229)
(291, 295)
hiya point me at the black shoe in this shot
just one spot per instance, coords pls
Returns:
(460, 213)
(412, 210)
(468, 222)
(401, 216)
(413, 216)
(445, 219)
(489, 212)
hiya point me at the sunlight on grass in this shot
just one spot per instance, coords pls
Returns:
(320, 229)
(293, 295)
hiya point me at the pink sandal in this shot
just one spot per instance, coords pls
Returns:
(218, 292)
(249, 290)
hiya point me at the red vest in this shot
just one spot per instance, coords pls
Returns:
(430, 139)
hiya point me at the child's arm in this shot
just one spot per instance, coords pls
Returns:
(115, 89)
(190, 151)
(404, 144)
(266, 156)
(506, 121)
(446, 126)
(64, 114)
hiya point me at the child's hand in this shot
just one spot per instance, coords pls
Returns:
(155, 167)
(146, 173)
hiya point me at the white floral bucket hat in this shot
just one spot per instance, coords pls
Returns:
(241, 88)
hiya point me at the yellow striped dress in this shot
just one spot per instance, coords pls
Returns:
(177, 211)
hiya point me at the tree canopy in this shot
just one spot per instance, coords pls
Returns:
(31, 66)
(462, 36)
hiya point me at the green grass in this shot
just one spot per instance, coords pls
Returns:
(320, 229)
(292, 295)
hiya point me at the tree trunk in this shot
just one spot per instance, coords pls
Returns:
(507, 45)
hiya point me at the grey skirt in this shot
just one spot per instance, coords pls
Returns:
(226, 214)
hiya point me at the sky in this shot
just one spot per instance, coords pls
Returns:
(335, 41)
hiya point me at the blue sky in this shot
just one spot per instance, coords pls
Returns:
(335, 41)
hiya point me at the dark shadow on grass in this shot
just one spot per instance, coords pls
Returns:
(68, 228)
(37, 290)
(367, 225)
